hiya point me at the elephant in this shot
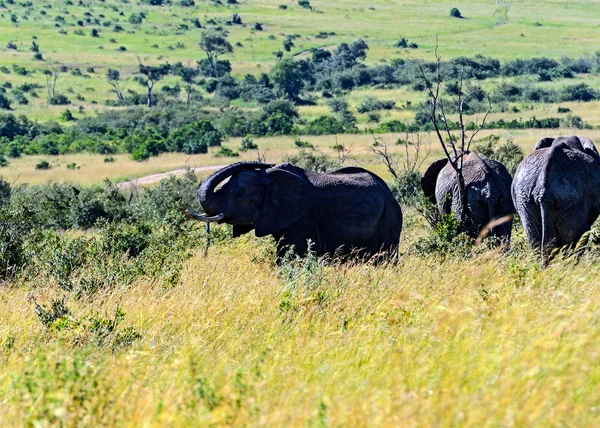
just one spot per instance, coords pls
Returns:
(350, 210)
(556, 191)
(488, 198)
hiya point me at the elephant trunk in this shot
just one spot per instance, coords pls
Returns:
(209, 199)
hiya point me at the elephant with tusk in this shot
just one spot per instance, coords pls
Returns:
(342, 212)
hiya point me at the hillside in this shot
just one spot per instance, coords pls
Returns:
(63, 30)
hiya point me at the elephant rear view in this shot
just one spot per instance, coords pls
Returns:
(556, 191)
(487, 193)
(347, 210)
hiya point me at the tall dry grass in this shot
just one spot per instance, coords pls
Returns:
(492, 340)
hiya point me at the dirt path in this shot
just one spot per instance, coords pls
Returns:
(149, 179)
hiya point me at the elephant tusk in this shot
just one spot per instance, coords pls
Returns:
(202, 217)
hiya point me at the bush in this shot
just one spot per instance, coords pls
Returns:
(67, 116)
(303, 144)
(59, 99)
(4, 102)
(407, 187)
(455, 13)
(508, 153)
(15, 229)
(327, 125)
(226, 153)
(248, 144)
(195, 138)
(312, 161)
(373, 104)
(578, 92)
(44, 164)
(3, 163)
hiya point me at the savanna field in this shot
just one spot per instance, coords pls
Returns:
(113, 310)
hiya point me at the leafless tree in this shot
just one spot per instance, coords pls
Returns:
(261, 156)
(412, 160)
(453, 148)
(343, 152)
(390, 161)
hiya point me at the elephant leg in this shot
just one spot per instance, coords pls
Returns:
(503, 231)
(296, 238)
(531, 217)
(573, 223)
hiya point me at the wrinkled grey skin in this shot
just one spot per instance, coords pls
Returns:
(347, 210)
(487, 184)
(556, 191)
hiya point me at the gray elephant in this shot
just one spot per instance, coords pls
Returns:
(556, 192)
(488, 198)
(348, 210)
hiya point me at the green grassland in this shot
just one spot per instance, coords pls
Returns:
(553, 29)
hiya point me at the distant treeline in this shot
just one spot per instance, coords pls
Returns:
(171, 125)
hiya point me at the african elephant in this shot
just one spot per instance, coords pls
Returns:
(556, 192)
(487, 184)
(347, 210)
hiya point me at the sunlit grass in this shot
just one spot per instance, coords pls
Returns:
(91, 168)
(488, 341)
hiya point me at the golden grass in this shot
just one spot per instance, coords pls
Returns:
(484, 342)
(93, 169)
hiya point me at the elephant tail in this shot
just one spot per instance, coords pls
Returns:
(546, 235)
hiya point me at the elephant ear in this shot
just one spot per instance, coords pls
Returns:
(589, 148)
(288, 198)
(239, 230)
(429, 178)
(544, 143)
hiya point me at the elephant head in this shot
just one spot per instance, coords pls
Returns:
(574, 142)
(429, 178)
(257, 196)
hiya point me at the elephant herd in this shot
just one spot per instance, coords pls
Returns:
(555, 191)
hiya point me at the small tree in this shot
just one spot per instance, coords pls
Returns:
(113, 77)
(501, 12)
(52, 73)
(404, 169)
(215, 44)
(454, 148)
(188, 76)
(150, 75)
(288, 78)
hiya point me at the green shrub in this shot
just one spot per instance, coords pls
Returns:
(58, 99)
(44, 164)
(67, 116)
(313, 161)
(4, 102)
(16, 226)
(373, 104)
(303, 144)
(508, 153)
(407, 187)
(248, 144)
(226, 152)
(455, 13)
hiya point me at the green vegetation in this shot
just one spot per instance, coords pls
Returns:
(114, 312)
